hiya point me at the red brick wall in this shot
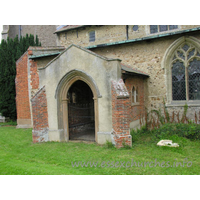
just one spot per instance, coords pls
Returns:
(21, 83)
(121, 118)
(40, 115)
(123, 111)
(39, 110)
(34, 75)
(136, 110)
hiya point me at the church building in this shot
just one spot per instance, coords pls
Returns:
(99, 81)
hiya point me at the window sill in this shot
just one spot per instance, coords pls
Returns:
(182, 103)
(135, 104)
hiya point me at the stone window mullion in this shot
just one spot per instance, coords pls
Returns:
(186, 82)
(186, 75)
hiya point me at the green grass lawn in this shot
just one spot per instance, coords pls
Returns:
(18, 155)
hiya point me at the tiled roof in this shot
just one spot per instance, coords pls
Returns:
(46, 47)
(129, 69)
(45, 55)
(68, 27)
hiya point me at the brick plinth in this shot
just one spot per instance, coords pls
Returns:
(40, 116)
(120, 114)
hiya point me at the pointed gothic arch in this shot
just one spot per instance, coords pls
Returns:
(178, 60)
(62, 100)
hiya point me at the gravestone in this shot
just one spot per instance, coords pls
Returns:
(2, 119)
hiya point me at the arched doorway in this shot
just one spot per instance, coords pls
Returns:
(62, 101)
(81, 115)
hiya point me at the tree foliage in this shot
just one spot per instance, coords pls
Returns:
(10, 51)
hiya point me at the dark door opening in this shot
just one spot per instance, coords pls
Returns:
(81, 112)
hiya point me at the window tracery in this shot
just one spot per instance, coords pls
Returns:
(186, 73)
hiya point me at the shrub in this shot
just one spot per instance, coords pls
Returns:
(109, 144)
(190, 131)
(134, 134)
(125, 146)
(9, 123)
(137, 133)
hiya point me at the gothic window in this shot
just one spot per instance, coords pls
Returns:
(161, 28)
(134, 95)
(185, 72)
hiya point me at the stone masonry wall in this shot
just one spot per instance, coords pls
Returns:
(40, 116)
(103, 34)
(13, 31)
(144, 55)
(108, 34)
(45, 33)
(147, 56)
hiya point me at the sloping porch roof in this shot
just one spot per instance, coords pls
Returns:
(126, 69)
